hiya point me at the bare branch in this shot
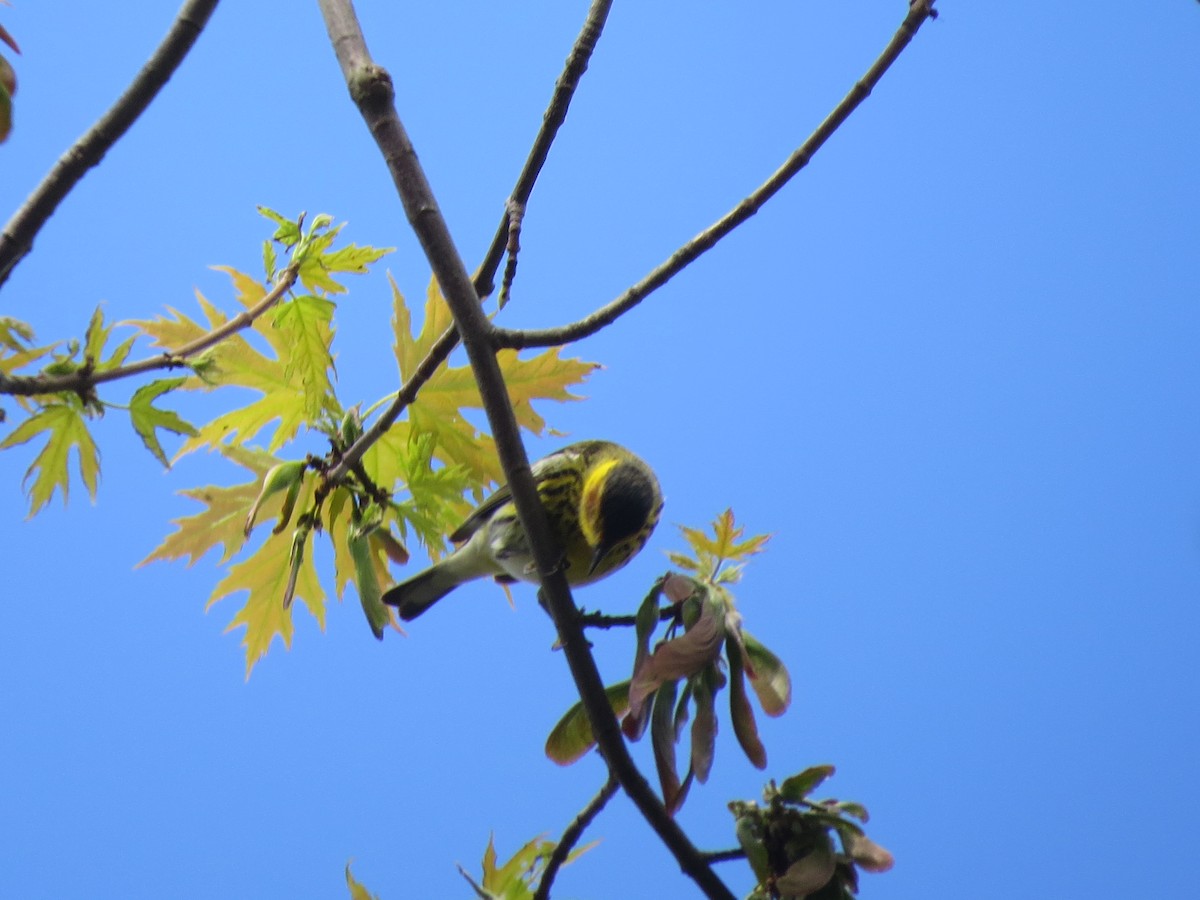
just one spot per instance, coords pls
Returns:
(86, 379)
(17, 237)
(919, 11)
(602, 620)
(552, 120)
(571, 837)
(371, 88)
(505, 238)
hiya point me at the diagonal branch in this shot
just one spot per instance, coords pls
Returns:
(571, 837)
(17, 237)
(552, 120)
(371, 88)
(919, 11)
(86, 379)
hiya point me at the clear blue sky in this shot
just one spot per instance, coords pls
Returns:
(953, 368)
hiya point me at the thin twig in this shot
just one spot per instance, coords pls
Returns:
(371, 88)
(552, 120)
(720, 856)
(86, 378)
(17, 237)
(600, 620)
(919, 11)
(571, 837)
(516, 216)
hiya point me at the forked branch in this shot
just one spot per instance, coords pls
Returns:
(371, 88)
(919, 12)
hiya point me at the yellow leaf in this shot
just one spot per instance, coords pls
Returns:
(264, 574)
(438, 407)
(224, 520)
(357, 891)
(295, 385)
(65, 427)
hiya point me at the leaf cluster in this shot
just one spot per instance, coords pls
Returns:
(789, 841)
(704, 650)
(277, 349)
(517, 878)
(410, 483)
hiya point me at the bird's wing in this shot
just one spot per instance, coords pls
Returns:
(503, 495)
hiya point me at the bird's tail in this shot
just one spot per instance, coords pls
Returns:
(420, 592)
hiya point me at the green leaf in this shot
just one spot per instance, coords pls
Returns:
(307, 324)
(797, 787)
(147, 418)
(366, 580)
(768, 676)
(288, 232)
(744, 726)
(704, 728)
(811, 872)
(66, 427)
(286, 476)
(572, 737)
(751, 837)
(662, 738)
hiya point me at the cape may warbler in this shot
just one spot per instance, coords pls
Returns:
(602, 503)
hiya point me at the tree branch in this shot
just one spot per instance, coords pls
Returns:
(16, 239)
(86, 379)
(919, 11)
(552, 120)
(571, 837)
(371, 88)
(437, 354)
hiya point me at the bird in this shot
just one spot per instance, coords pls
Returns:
(602, 503)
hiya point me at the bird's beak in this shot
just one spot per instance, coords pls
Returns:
(601, 552)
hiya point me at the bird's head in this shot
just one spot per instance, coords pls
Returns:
(620, 507)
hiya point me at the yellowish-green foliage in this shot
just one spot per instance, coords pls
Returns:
(677, 681)
(516, 879)
(357, 891)
(65, 426)
(412, 483)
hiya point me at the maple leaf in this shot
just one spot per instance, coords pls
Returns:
(295, 386)
(515, 879)
(266, 575)
(16, 346)
(95, 340)
(223, 522)
(435, 502)
(147, 418)
(438, 407)
(17, 351)
(725, 546)
(65, 424)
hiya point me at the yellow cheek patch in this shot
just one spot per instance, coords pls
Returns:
(593, 489)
